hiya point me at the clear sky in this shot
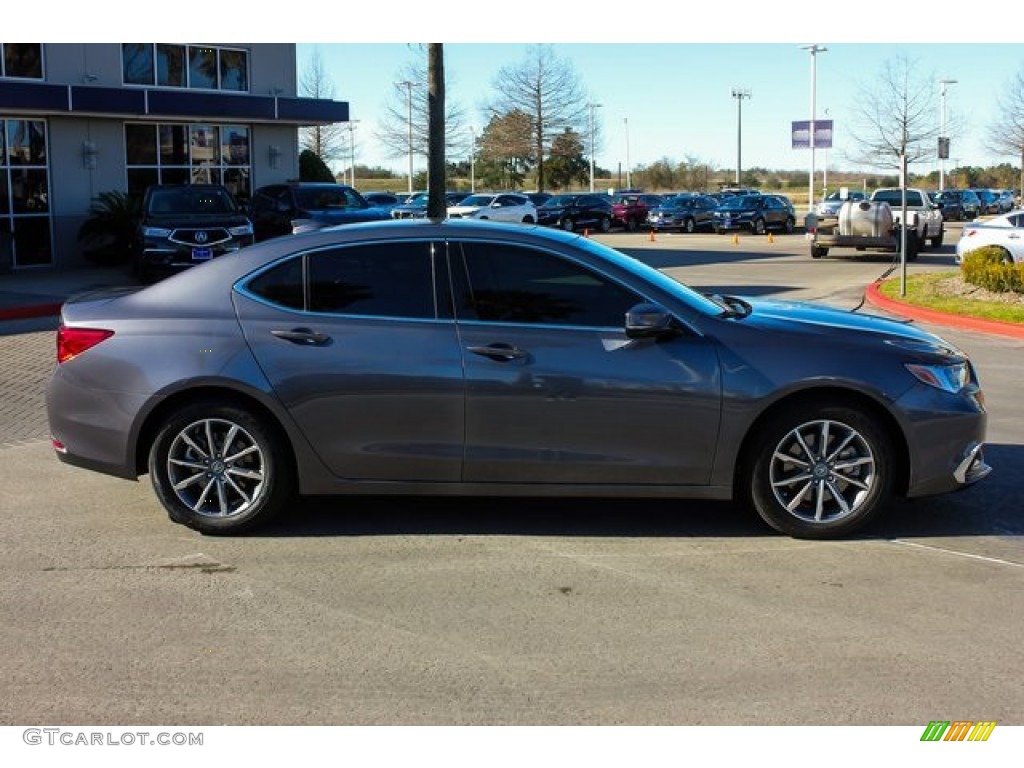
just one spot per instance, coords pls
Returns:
(666, 67)
(677, 97)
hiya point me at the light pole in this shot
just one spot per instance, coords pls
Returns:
(814, 50)
(409, 85)
(739, 94)
(592, 106)
(943, 139)
(472, 159)
(824, 170)
(629, 175)
(352, 149)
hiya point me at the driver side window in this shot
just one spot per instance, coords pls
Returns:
(498, 282)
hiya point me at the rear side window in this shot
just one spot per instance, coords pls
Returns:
(516, 284)
(380, 279)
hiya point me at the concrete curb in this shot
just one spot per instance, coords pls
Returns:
(26, 312)
(997, 327)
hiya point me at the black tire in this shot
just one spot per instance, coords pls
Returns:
(228, 495)
(631, 224)
(789, 226)
(913, 246)
(527, 219)
(689, 226)
(604, 223)
(567, 224)
(1005, 257)
(855, 466)
(936, 242)
(817, 252)
(758, 227)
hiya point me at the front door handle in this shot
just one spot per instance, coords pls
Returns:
(500, 352)
(302, 336)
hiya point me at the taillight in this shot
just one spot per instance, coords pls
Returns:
(72, 342)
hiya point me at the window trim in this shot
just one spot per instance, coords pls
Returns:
(186, 69)
(22, 78)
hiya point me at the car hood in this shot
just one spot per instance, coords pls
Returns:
(464, 210)
(802, 317)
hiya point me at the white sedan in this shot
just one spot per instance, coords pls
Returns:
(1005, 232)
(496, 207)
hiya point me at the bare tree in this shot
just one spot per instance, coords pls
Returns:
(895, 117)
(547, 89)
(326, 141)
(393, 128)
(1006, 135)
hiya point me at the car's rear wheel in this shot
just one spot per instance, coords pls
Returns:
(527, 219)
(790, 226)
(820, 472)
(631, 224)
(220, 468)
(604, 224)
(758, 227)
(817, 252)
(567, 224)
(689, 226)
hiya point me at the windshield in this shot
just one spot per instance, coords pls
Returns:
(895, 198)
(560, 200)
(480, 200)
(326, 198)
(747, 201)
(186, 200)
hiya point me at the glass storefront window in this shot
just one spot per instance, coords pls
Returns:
(26, 142)
(234, 74)
(140, 144)
(202, 67)
(234, 149)
(170, 65)
(23, 60)
(173, 145)
(32, 241)
(29, 193)
(188, 154)
(137, 63)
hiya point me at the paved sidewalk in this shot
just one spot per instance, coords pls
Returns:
(39, 293)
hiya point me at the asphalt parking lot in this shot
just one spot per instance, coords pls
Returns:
(442, 611)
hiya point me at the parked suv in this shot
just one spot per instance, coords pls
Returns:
(284, 209)
(756, 213)
(571, 212)
(630, 209)
(684, 212)
(181, 225)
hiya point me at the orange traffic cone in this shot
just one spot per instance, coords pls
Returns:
(586, 232)
(770, 238)
(652, 237)
(735, 239)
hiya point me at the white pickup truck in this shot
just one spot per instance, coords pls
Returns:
(923, 216)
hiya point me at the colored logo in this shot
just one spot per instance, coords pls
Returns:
(958, 730)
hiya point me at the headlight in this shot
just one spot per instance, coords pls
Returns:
(155, 232)
(305, 225)
(245, 229)
(949, 378)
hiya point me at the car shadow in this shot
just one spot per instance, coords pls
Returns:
(989, 508)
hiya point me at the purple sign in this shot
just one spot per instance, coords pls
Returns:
(802, 134)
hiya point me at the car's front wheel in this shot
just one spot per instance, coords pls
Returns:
(689, 226)
(758, 227)
(567, 224)
(820, 472)
(220, 468)
(604, 223)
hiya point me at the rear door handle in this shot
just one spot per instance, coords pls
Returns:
(500, 352)
(302, 336)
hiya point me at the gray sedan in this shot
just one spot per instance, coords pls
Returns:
(489, 359)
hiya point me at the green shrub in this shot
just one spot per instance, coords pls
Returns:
(987, 268)
(313, 168)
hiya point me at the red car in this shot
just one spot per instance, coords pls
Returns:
(629, 209)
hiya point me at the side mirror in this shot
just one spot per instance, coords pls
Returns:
(649, 321)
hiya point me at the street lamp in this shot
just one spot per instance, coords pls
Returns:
(629, 176)
(943, 139)
(592, 106)
(472, 159)
(409, 85)
(739, 94)
(814, 50)
(352, 149)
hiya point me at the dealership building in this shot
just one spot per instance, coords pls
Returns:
(80, 119)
